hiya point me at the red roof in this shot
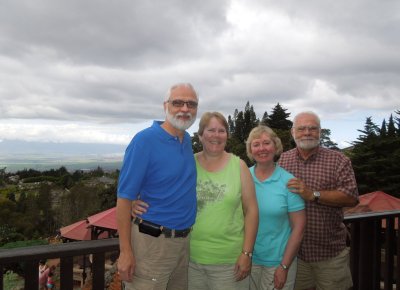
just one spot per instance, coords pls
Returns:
(376, 201)
(105, 219)
(82, 230)
(77, 231)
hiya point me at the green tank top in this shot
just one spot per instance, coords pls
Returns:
(217, 235)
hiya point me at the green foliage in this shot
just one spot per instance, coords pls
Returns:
(12, 281)
(243, 122)
(23, 244)
(107, 197)
(9, 234)
(37, 208)
(196, 144)
(376, 158)
(278, 119)
(40, 179)
(2, 176)
(326, 140)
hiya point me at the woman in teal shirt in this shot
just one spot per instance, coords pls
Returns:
(281, 215)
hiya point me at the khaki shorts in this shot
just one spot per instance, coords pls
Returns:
(215, 277)
(161, 263)
(332, 274)
(262, 277)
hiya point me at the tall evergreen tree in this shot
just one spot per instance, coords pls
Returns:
(240, 126)
(391, 128)
(397, 121)
(383, 131)
(231, 125)
(265, 119)
(371, 131)
(326, 140)
(376, 160)
(278, 119)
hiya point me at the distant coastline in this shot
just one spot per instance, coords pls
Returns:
(20, 155)
(71, 164)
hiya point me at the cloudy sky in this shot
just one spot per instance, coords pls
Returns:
(97, 71)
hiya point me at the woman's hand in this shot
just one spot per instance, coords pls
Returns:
(280, 277)
(242, 267)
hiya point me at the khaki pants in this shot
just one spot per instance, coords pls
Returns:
(215, 277)
(161, 263)
(262, 277)
(332, 274)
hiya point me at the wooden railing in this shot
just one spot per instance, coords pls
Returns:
(373, 240)
(374, 244)
(30, 256)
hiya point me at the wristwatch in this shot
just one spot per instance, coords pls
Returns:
(249, 254)
(316, 195)
(284, 267)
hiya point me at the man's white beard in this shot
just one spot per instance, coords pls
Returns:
(307, 144)
(179, 123)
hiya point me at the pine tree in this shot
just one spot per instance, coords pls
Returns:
(278, 119)
(383, 130)
(265, 119)
(391, 128)
(240, 126)
(326, 140)
(397, 122)
(376, 160)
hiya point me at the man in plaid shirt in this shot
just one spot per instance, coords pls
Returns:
(325, 180)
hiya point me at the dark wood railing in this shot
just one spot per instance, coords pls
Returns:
(373, 240)
(30, 256)
(374, 244)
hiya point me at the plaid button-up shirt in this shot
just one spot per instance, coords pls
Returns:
(325, 233)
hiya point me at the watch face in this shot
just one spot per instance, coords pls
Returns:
(316, 194)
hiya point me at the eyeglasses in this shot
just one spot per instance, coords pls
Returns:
(181, 103)
(312, 129)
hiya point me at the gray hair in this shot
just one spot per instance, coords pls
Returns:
(185, 85)
(307, 113)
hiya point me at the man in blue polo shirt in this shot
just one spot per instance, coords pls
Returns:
(159, 168)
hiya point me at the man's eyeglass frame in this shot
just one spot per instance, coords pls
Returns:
(181, 103)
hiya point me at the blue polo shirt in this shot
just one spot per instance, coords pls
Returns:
(162, 170)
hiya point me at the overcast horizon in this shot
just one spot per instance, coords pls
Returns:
(97, 71)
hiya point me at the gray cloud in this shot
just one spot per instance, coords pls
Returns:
(103, 62)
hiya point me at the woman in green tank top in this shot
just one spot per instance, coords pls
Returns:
(222, 240)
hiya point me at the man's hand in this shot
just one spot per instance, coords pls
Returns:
(126, 266)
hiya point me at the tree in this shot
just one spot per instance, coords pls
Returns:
(383, 131)
(44, 201)
(326, 140)
(370, 131)
(265, 119)
(376, 159)
(2, 176)
(196, 144)
(278, 119)
(397, 122)
(239, 127)
(391, 128)
(279, 122)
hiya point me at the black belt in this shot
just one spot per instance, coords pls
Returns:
(168, 233)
